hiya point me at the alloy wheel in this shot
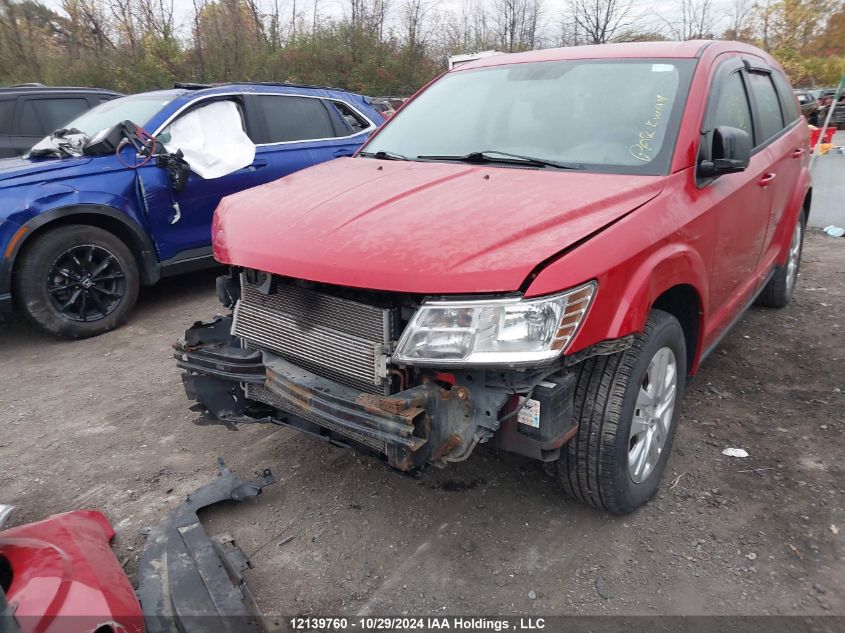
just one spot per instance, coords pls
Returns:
(653, 414)
(86, 283)
(793, 260)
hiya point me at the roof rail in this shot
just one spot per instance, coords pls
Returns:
(43, 88)
(282, 84)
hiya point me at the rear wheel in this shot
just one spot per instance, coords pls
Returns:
(778, 292)
(628, 405)
(77, 281)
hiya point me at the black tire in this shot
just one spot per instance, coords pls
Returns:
(778, 292)
(593, 466)
(51, 271)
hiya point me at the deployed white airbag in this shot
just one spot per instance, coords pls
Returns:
(212, 140)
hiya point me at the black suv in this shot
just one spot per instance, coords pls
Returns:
(29, 112)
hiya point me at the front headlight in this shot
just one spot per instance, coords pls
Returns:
(498, 331)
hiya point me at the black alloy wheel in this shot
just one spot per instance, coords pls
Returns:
(86, 283)
(76, 280)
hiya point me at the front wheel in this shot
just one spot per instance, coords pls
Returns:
(627, 406)
(77, 281)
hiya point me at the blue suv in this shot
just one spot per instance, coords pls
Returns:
(79, 234)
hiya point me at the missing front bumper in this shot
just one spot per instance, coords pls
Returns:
(423, 424)
(433, 422)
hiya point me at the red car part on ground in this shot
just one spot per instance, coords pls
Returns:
(61, 576)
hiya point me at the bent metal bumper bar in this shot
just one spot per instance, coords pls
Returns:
(384, 421)
(190, 582)
(398, 426)
(431, 422)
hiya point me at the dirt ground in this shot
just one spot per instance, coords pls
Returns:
(104, 423)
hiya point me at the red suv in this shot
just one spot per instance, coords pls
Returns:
(517, 259)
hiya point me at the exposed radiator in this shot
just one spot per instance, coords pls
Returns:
(336, 338)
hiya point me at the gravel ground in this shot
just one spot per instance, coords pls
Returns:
(104, 423)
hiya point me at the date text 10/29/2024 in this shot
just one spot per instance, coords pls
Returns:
(406, 623)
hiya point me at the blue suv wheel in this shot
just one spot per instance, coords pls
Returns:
(77, 281)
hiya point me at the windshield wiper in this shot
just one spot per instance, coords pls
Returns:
(486, 157)
(384, 155)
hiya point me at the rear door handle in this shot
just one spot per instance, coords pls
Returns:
(340, 153)
(258, 164)
(766, 180)
(798, 153)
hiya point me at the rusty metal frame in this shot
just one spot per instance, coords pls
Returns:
(401, 423)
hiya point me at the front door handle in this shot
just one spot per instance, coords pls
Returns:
(798, 153)
(340, 153)
(766, 180)
(260, 163)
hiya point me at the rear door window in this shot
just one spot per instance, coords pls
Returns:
(353, 121)
(787, 98)
(292, 118)
(768, 105)
(42, 116)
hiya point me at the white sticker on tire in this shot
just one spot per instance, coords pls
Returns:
(529, 414)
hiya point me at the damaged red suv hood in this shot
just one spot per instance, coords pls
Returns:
(421, 227)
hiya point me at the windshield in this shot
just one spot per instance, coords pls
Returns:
(617, 116)
(136, 108)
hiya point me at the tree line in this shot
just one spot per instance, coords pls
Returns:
(376, 47)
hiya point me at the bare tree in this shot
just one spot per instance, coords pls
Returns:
(568, 33)
(694, 20)
(415, 23)
(369, 15)
(602, 21)
(379, 17)
(516, 23)
(413, 15)
(11, 28)
(468, 28)
(198, 35)
(739, 15)
(126, 19)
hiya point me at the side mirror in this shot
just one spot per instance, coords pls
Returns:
(730, 152)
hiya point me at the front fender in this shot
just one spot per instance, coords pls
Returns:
(626, 292)
(33, 202)
(131, 228)
(656, 248)
(670, 265)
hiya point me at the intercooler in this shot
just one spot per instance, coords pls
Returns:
(333, 337)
